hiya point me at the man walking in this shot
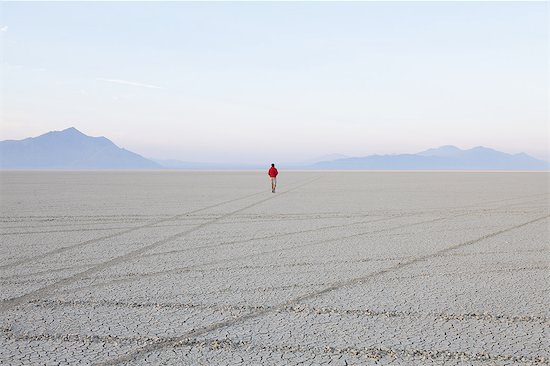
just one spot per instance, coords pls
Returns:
(273, 176)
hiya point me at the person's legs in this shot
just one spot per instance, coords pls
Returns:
(273, 184)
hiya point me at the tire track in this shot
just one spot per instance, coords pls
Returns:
(266, 289)
(142, 217)
(9, 303)
(82, 229)
(248, 217)
(47, 271)
(225, 290)
(361, 260)
(494, 201)
(246, 240)
(304, 232)
(255, 218)
(152, 224)
(472, 273)
(190, 268)
(138, 276)
(373, 353)
(114, 235)
(301, 309)
(294, 302)
(468, 254)
(274, 236)
(191, 220)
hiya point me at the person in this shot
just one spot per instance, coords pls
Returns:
(273, 176)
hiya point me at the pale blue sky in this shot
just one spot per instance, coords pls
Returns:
(257, 82)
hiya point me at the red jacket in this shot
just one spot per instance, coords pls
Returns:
(273, 172)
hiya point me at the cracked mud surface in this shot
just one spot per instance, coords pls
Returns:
(336, 268)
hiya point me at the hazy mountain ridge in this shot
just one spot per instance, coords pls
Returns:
(69, 149)
(443, 158)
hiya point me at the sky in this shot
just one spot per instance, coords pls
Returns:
(251, 82)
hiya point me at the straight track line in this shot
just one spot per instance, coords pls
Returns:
(278, 250)
(337, 286)
(114, 235)
(10, 303)
(301, 309)
(229, 345)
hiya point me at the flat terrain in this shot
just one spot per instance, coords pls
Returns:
(211, 268)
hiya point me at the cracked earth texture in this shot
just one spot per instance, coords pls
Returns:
(211, 268)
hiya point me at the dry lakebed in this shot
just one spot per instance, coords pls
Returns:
(211, 268)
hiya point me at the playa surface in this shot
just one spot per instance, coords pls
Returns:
(211, 268)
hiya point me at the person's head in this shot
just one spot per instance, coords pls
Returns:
(273, 165)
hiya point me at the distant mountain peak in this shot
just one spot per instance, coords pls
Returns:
(69, 149)
(448, 147)
(445, 150)
(69, 131)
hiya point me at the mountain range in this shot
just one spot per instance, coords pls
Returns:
(71, 149)
(442, 158)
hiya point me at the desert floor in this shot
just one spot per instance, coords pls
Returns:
(211, 268)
